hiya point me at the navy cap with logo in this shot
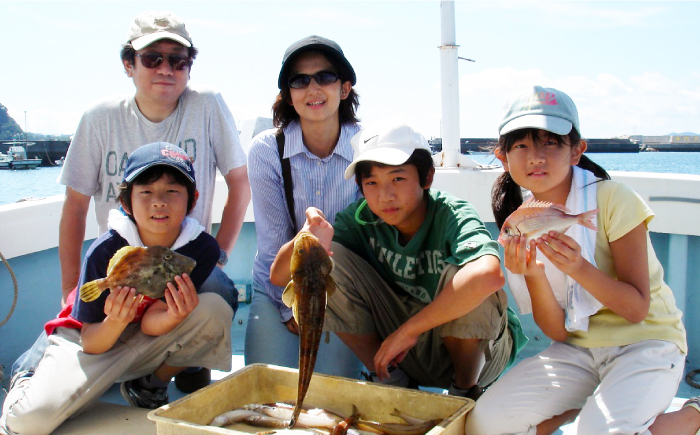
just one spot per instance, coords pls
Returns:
(158, 153)
(324, 45)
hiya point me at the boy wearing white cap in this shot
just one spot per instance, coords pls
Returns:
(419, 295)
(158, 56)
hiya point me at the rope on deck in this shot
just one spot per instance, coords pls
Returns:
(14, 281)
(690, 378)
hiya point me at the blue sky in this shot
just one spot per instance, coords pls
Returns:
(631, 67)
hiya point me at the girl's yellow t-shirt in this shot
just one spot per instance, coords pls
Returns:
(621, 209)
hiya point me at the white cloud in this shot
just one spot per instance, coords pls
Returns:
(314, 16)
(654, 83)
(47, 121)
(649, 103)
(602, 15)
(223, 27)
(575, 16)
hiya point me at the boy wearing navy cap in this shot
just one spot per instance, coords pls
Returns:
(121, 335)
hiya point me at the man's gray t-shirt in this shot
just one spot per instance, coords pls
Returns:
(202, 125)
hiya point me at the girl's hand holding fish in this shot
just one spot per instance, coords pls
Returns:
(121, 304)
(562, 251)
(520, 259)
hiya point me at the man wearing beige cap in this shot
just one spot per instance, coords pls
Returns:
(157, 56)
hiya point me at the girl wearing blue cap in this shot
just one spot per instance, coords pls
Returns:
(619, 345)
(296, 166)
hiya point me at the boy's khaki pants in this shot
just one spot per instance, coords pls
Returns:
(68, 380)
(364, 303)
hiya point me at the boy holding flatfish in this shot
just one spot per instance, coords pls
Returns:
(123, 334)
(419, 294)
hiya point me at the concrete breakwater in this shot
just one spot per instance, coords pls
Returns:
(51, 150)
(594, 145)
(632, 144)
(672, 147)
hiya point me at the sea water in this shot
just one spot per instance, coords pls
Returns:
(29, 183)
(660, 162)
(41, 182)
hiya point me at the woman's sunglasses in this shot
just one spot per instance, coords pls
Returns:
(153, 60)
(323, 78)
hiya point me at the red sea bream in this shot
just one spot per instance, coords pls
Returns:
(535, 218)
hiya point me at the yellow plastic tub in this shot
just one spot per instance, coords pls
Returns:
(262, 383)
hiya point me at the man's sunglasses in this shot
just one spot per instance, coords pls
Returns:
(323, 78)
(153, 60)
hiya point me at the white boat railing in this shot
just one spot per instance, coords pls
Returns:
(675, 199)
(29, 238)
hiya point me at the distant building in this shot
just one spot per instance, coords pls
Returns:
(678, 143)
(685, 139)
(670, 139)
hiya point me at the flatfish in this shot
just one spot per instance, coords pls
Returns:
(148, 270)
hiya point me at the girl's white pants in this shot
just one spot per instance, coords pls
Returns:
(619, 389)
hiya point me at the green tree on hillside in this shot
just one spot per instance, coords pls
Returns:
(8, 126)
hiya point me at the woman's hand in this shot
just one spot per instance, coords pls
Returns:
(183, 299)
(519, 259)
(121, 304)
(562, 251)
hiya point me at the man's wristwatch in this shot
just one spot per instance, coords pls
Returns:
(223, 258)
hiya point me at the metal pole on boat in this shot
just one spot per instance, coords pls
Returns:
(449, 84)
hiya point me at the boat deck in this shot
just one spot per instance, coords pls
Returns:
(113, 415)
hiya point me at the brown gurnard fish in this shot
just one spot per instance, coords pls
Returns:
(535, 218)
(148, 270)
(307, 294)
